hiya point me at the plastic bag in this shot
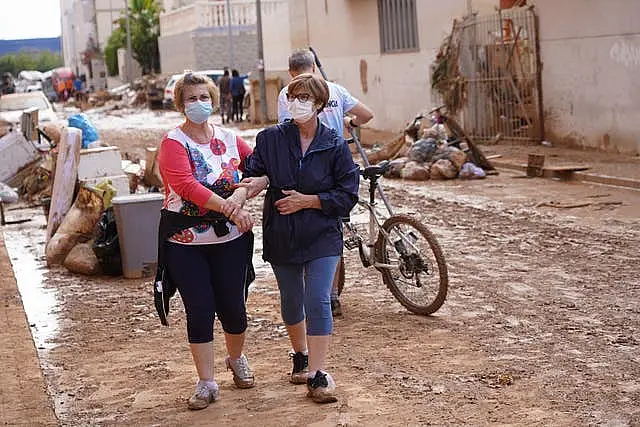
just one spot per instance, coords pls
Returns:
(89, 131)
(471, 171)
(423, 150)
(7, 194)
(106, 245)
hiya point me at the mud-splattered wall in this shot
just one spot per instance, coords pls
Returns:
(591, 72)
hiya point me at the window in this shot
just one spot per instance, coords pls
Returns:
(398, 25)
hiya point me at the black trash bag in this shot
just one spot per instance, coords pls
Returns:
(106, 245)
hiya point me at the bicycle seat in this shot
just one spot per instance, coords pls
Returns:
(376, 171)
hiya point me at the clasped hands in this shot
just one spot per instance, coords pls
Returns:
(232, 209)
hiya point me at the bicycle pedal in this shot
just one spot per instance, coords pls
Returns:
(352, 242)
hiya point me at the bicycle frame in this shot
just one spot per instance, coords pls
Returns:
(367, 251)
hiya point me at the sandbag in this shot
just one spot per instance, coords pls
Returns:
(395, 167)
(76, 227)
(415, 171)
(443, 169)
(458, 158)
(82, 260)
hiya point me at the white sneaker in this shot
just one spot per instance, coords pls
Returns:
(204, 395)
(242, 375)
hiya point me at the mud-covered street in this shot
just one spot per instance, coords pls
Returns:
(540, 326)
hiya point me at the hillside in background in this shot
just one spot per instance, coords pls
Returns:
(53, 44)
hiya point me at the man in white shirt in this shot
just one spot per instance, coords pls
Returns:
(334, 116)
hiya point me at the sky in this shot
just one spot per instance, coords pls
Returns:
(29, 19)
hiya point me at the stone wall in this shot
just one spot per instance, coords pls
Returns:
(212, 50)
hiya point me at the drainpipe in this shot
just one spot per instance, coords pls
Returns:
(263, 87)
(231, 47)
(129, 63)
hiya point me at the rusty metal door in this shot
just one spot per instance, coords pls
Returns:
(499, 62)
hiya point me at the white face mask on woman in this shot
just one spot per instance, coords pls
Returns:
(301, 111)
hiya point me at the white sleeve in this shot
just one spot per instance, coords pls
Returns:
(283, 110)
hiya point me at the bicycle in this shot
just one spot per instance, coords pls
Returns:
(405, 252)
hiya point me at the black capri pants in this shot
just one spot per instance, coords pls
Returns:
(211, 280)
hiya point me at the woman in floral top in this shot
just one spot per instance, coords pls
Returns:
(207, 260)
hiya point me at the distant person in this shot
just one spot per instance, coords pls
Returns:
(340, 102)
(205, 235)
(60, 88)
(237, 94)
(224, 86)
(7, 86)
(312, 182)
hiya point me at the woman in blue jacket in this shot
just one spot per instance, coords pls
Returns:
(311, 183)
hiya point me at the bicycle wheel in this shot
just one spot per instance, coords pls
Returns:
(417, 276)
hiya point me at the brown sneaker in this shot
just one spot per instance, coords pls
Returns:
(242, 375)
(322, 388)
(300, 371)
(203, 396)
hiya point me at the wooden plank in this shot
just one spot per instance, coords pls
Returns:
(65, 178)
(567, 168)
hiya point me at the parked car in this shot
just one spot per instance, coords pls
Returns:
(12, 105)
(171, 83)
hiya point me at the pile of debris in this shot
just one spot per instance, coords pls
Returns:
(437, 150)
(75, 186)
(147, 91)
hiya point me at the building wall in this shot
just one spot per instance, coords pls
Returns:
(591, 70)
(203, 49)
(177, 53)
(212, 50)
(345, 34)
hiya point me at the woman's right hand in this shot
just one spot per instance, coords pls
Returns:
(242, 219)
(253, 185)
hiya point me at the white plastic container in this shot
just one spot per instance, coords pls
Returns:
(137, 219)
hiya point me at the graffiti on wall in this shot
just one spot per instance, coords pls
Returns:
(626, 53)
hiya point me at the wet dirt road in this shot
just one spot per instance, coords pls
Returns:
(540, 326)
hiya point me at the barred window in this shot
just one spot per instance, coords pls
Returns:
(398, 25)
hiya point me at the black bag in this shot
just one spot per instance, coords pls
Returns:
(106, 245)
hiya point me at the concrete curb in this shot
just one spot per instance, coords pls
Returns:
(617, 181)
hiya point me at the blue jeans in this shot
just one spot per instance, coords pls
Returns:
(305, 289)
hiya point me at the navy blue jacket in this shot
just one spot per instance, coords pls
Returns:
(327, 170)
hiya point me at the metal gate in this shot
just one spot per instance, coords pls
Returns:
(498, 74)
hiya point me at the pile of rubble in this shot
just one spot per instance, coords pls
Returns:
(147, 91)
(439, 150)
(75, 186)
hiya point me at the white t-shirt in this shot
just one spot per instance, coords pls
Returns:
(340, 102)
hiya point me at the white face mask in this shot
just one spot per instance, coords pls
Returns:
(300, 111)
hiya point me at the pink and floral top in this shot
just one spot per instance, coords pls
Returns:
(192, 172)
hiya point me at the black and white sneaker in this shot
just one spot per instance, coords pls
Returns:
(300, 371)
(321, 388)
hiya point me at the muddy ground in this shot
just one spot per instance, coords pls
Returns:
(540, 326)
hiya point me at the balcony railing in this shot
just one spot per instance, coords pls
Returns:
(214, 15)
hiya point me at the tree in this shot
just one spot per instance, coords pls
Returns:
(117, 40)
(41, 61)
(144, 22)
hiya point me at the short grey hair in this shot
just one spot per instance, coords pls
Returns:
(301, 61)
